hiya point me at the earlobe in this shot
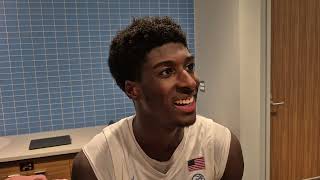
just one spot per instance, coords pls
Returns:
(132, 89)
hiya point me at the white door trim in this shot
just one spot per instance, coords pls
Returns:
(268, 90)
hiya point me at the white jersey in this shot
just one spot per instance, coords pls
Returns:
(114, 154)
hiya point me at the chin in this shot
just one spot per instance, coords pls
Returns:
(185, 121)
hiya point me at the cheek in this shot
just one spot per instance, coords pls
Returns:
(157, 94)
(154, 87)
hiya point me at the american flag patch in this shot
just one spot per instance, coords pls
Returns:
(196, 164)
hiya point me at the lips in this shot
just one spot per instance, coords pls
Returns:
(187, 104)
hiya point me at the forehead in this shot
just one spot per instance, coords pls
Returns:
(169, 51)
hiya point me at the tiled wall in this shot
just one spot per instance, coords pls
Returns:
(53, 60)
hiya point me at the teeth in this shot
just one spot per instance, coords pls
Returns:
(185, 101)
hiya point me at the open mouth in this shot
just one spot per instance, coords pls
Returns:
(183, 102)
(186, 105)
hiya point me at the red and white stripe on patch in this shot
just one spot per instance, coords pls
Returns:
(196, 164)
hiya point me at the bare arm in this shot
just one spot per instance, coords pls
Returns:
(81, 168)
(235, 165)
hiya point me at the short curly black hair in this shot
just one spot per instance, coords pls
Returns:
(130, 46)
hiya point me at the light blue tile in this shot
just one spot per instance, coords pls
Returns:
(23, 126)
(35, 130)
(103, 122)
(46, 128)
(56, 116)
(68, 126)
(34, 124)
(57, 127)
(68, 117)
(34, 115)
(21, 115)
(11, 132)
(88, 124)
(44, 116)
(9, 116)
(46, 123)
(11, 127)
(76, 75)
(32, 101)
(79, 125)
(77, 108)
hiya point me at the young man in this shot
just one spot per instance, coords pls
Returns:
(165, 139)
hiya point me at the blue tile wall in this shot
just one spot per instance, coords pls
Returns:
(53, 60)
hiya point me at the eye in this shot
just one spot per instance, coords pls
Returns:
(166, 72)
(190, 67)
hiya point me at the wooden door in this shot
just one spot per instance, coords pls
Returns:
(295, 80)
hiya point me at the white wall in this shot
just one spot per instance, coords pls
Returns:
(217, 60)
(230, 53)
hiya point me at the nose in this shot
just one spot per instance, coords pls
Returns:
(187, 82)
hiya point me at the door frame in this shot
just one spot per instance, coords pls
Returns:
(268, 90)
(254, 87)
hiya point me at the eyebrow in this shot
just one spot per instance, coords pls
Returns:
(170, 62)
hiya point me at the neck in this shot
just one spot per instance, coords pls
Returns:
(158, 143)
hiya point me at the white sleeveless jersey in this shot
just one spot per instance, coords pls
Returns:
(202, 154)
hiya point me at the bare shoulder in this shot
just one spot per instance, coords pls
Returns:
(81, 168)
(234, 167)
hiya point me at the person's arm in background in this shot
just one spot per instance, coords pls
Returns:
(235, 166)
(81, 168)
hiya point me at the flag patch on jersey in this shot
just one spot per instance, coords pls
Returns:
(196, 164)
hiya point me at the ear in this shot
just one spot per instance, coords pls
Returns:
(132, 89)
